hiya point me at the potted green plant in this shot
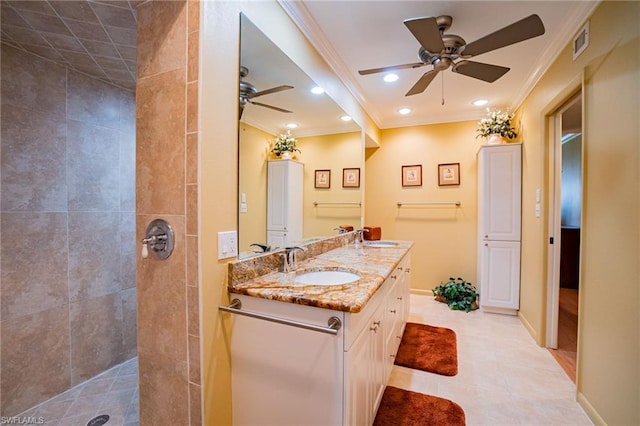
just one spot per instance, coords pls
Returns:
(496, 127)
(458, 294)
(284, 145)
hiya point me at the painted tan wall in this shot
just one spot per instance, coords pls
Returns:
(332, 152)
(254, 153)
(609, 342)
(444, 236)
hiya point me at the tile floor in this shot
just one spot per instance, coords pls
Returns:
(114, 392)
(503, 377)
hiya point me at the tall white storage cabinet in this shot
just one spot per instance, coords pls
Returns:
(499, 227)
(284, 202)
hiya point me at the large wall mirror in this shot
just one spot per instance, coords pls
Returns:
(272, 84)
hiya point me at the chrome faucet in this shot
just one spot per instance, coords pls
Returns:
(290, 263)
(340, 230)
(358, 237)
(263, 248)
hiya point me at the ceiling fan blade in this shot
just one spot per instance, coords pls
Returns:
(422, 83)
(524, 29)
(426, 31)
(272, 90)
(270, 106)
(391, 68)
(485, 72)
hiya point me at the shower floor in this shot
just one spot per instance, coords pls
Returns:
(114, 393)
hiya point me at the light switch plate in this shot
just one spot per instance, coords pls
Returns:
(227, 244)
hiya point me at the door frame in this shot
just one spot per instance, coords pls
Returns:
(554, 136)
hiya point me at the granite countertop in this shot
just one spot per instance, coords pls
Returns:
(374, 264)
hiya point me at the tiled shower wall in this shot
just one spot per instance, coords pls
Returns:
(67, 245)
(167, 187)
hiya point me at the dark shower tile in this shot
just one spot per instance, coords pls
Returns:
(94, 255)
(96, 336)
(8, 16)
(114, 16)
(33, 274)
(129, 323)
(33, 83)
(161, 37)
(93, 101)
(92, 172)
(123, 36)
(64, 42)
(42, 22)
(24, 36)
(74, 9)
(160, 144)
(33, 162)
(87, 30)
(34, 359)
(128, 247)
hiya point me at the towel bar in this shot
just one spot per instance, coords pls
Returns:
(431, 203)
(333, 325)
(316, 203)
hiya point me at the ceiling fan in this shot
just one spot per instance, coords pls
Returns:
(248, 91)
(441, 50)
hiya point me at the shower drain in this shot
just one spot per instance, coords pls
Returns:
(99, 421)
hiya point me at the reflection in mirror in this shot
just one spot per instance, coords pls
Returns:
(273, 93)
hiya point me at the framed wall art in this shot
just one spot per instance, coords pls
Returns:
(449, 174)
(351, 178)
(323, 179)
(412, 175)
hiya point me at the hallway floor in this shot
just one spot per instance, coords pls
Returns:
(503, 377)
(114, 392)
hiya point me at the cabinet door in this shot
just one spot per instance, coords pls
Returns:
(277, 196)
(500, 274)
(359, 385)
(499, 192)
(277, 239)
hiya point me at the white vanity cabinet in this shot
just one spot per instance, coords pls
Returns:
(284, 375)
(369, 360)
(284, 202)
(499, 226)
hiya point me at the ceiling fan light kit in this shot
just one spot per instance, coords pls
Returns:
(441, 50)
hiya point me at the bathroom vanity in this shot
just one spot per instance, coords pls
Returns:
(318, 353)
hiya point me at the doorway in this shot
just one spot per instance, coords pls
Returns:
(565, 225)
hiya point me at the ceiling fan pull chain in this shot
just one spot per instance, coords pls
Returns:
(442, 74)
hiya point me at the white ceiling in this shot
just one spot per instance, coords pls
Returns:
(355, 35)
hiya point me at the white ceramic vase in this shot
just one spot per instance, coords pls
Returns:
(495, 139)
(286, 155)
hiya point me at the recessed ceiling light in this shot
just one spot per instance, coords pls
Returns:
(480, 102)
(317, 90)
(345, 118)
(292, 125)
(404, 110)
(391, 77)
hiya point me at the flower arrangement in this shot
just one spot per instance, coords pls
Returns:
(497, 122)
(284, 143)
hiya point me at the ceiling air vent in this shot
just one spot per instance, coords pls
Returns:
(581, 41)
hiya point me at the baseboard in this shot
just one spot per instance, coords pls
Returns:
(421, 292)
(589, 410)
(529, 328)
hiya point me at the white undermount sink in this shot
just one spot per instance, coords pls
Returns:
(326, 278)
(381, 243)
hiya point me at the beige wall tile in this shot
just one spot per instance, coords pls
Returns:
(193, 59)
(195, 392)
(193, 310)
(192, 107)
(192, 158)
(162, 37)
(192, 209)
(160, 144)
(194, 359)
(164, 391)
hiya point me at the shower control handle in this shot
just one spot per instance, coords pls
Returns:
(159, 238)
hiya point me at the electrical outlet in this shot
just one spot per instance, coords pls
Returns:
(227, 244)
